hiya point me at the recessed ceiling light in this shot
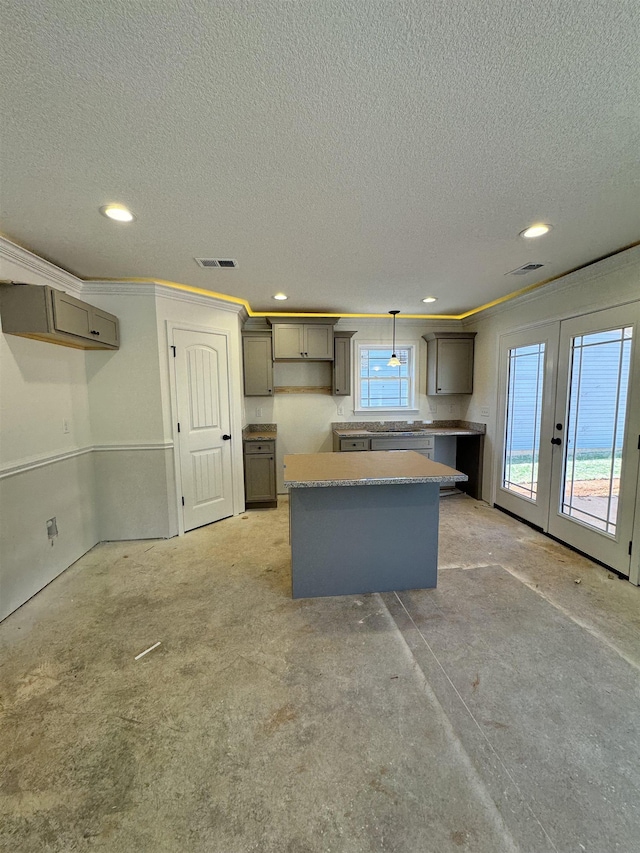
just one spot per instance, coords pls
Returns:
(535, 230)
(430, 299)
(117, 211)
(280, 296)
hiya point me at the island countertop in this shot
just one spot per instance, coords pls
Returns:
(369, 468)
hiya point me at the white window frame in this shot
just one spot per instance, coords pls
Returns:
(413, 379)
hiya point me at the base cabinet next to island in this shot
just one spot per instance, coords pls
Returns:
(458, 448)
(260, 475)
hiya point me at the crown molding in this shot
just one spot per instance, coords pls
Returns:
(158, 289)
(35, 264)
(577, 279)
(168, 292)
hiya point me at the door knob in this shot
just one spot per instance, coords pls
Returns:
(226, 437)
(556, 441)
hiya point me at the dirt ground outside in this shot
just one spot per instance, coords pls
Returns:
(596, 488)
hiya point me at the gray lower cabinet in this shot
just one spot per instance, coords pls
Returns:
(354, 444)
(449, 362)
(421, 444)
(260, 474)
(462, 452)
(47, 314)
(258, 365)
(342, 363)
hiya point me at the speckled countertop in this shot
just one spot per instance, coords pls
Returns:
(380, 468)
(260, 432)
(389, 429)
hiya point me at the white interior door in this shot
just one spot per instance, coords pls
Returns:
(571, 417)
(595, 442)
(202, 394)
(528, 364)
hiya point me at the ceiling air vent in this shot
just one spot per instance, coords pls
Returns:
(523, 270)
(216, 262)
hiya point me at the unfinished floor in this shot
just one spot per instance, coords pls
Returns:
(499, 712)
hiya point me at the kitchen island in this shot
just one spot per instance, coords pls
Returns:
(364, 522)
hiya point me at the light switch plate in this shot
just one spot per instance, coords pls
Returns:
(484, 412)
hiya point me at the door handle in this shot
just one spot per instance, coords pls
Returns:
(226, 437)
(556, 441)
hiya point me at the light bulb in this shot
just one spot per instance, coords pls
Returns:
(535, 230)
(117, 211)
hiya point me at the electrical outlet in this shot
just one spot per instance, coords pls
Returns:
(341, 410)
(65, 425)
(433, 408)
(484, 412)
(452, 408)
(259, 412)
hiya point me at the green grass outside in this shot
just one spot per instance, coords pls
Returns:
(589, 465)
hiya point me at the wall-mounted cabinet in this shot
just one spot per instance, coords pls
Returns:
(302, 341)
(342, 363)
(449, 362)
(258, 364)
(47, 314)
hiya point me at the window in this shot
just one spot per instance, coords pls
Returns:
(379, 387)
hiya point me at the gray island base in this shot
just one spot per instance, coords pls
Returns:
(364, 522)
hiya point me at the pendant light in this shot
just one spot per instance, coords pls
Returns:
(394, 361)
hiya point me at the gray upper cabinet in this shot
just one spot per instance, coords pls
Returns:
(449, 362)
(258, 365)
(342, 363)
(288, 340)
(47, 314)
(296, 341)
(75, 317)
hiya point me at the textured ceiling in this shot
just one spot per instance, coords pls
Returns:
(357, 155)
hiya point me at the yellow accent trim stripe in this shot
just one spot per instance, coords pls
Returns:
(176, 285)
(532, 287)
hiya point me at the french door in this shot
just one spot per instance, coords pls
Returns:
(571, 418)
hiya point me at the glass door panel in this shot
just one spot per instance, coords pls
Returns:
(527, 379)
(523, 421)
(595, 427)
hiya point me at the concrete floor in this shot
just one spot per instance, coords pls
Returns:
(496, 713)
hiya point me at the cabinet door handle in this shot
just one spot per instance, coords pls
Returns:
(226, 437)
(93, 332)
